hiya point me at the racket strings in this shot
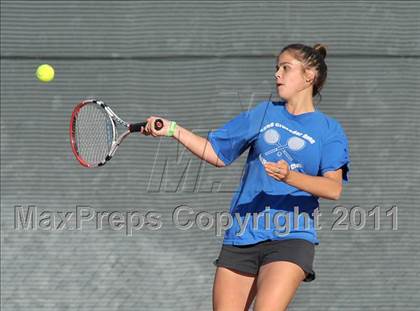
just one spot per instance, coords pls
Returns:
(93, 134)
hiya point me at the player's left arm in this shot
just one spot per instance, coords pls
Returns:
(329, 186)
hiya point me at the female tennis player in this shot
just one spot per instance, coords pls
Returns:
(297, 154)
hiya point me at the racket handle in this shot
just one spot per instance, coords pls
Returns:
(137, 127)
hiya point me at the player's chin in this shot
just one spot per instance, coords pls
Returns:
(281, 92)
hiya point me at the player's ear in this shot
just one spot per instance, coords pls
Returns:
(309, 75)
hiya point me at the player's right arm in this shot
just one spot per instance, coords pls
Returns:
(198, 145)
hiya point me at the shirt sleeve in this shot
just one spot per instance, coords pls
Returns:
(335, 152)
(234, 137)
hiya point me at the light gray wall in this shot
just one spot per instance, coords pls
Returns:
(199, 64)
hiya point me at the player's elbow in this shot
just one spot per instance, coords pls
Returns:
(333, 187)
(219, 163)
(335, 194)
(216, 161)
(213, 158)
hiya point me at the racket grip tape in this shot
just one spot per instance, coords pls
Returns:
(137, 127)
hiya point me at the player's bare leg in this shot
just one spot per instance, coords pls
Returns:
(277, 284)
(233, 290)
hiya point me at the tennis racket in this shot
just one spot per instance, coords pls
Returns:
(93, 132)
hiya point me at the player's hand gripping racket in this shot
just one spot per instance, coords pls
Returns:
(93, 132)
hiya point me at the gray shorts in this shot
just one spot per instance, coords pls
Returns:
(249, 258)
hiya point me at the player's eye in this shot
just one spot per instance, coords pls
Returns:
(284, 67)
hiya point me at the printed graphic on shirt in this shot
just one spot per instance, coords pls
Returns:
(282, 145)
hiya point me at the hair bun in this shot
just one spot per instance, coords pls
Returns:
(321, 49)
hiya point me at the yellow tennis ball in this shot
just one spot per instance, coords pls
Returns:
(45, 73)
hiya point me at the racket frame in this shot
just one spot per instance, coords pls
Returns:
(114, 118)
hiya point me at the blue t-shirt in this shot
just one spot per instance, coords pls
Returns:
(263, 208)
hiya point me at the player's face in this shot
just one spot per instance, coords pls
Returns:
(289, 75)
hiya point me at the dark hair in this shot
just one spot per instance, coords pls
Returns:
(312, 57)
